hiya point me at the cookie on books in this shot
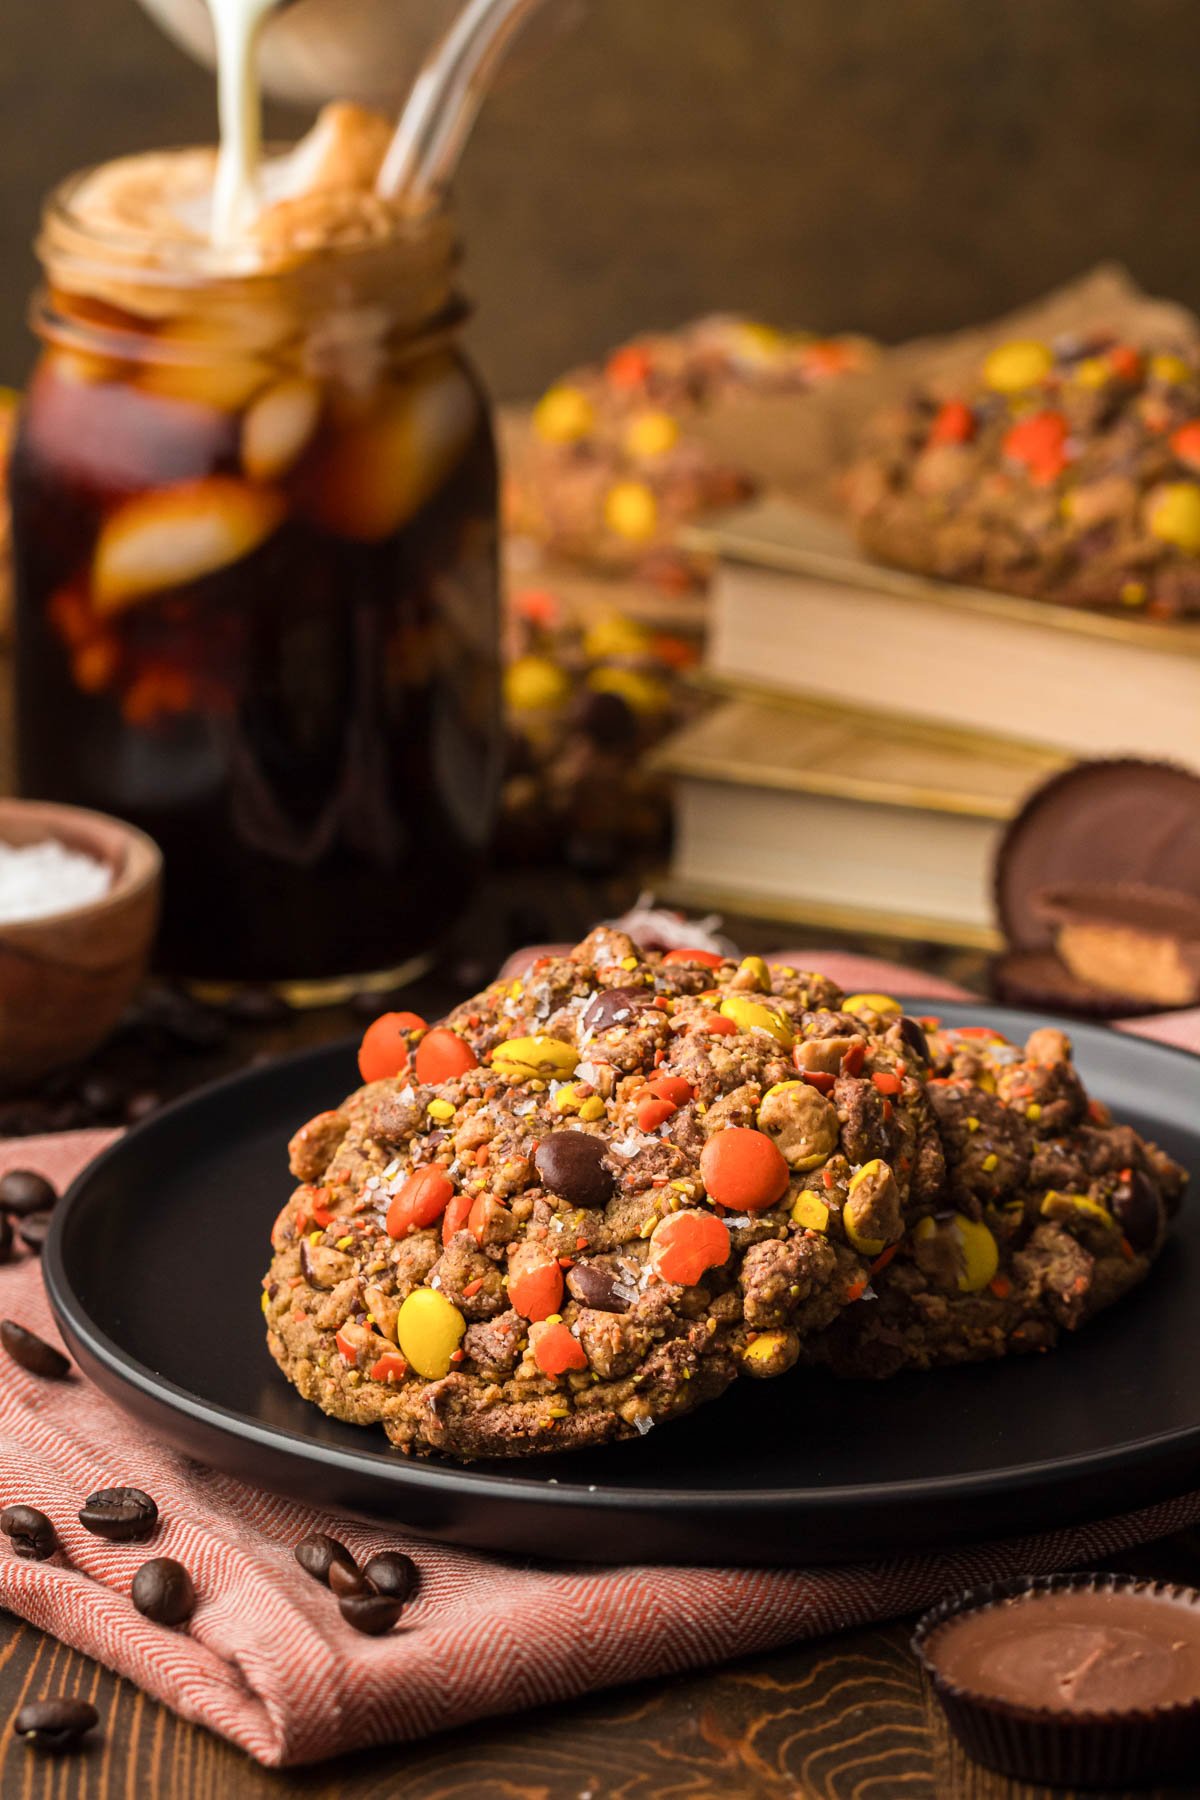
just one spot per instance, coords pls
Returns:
(608, 472)
(585, 703)
(598, 1194)
(1067, 472)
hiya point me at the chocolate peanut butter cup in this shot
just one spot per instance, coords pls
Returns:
(1087, 1680)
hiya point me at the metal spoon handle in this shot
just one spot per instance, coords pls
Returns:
(445, 98)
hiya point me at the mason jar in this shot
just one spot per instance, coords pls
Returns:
(255, 540)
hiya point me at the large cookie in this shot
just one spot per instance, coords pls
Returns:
(1068, 473)
(600, 1193)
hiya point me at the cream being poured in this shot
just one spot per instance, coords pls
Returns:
(237, 26)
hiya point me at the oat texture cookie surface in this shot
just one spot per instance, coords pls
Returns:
(596, 1195)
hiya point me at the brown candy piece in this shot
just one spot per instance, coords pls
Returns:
(615, 1006)
(1138, 1210)
(595, 1288)
(570, 1163)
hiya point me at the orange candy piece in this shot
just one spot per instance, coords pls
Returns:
(421, 1201)
(954, 423)
(391, 1366)
(708, 957)
(718, 1024)
(346, 1350)
(743, 1170)
(628, 367)
(686, 1244)
(384, 1049)
(670, 1087)
(555, 1350)
(456, 1215)
(654, 1110)
(1039, 442)
(1185, 443)
(441, 1055)
(535, 1284)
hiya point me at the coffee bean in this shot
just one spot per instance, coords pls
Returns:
(570, 1164)
(317, 1553)
(347, 1580)
(102, 1097)
(915, 1038)
(1138, 1210)
(23, 1192)
(33, 1536)
(162, 1590)
(616, 1006)
(606, 719)
(123, 1515)
(392, 1573)
(595, 1288)
(6, 1237)
(32, 1352)
(192, 1026)
(55, 1724)
(139, 1106)
(33, 1230)
(372, 1614)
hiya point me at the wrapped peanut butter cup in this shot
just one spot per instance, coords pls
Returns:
(1080, 1680)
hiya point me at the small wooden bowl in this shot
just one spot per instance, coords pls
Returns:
(66, 979)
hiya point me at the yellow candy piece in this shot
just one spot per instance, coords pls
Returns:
(615, 635)
(566, 1099)
(1023, 363)
(867, 1246)
(1133, 593)
(651, 434)
(1168, 368)
(641, 692)
(753, 342)
(1092, 372)
(563, 415)
(428, 1331)
(756, 969)
(535, 684)
(1056, 1205)
(592, 1109)
(631, 511)
(881, 1004)
(752, 1015)
(440, 1109)
(977, 1250)
(811, 1212)
(764, 1347)
(1175, 516)
(531, 1058)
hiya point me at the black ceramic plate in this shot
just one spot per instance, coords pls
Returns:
(153, 1267)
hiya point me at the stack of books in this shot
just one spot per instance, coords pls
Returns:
(879, 729)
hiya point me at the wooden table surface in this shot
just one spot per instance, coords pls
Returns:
(845, 1718)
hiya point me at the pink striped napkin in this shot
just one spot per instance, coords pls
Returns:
(267, 1661)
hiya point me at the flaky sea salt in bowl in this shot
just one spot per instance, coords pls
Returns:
(79, 895)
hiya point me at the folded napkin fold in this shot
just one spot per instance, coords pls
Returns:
(267, 1661)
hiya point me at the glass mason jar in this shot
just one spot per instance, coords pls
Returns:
(254, 524)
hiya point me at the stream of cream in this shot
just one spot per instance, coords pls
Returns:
(237, 25)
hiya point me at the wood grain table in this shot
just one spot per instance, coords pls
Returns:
(845, 1718)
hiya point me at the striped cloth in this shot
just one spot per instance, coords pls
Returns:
(267, 1661)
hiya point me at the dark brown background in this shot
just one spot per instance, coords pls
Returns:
(887, 165)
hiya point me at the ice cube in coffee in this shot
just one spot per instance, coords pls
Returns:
(254, 499)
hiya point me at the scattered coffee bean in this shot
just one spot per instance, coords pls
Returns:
(122, 1515)
(55, 1724)
(33, 1536)
(33, 1230)
(595, 1288)
(32, 1352)
(162, 1591)
(392, 1573)
(370, 1613)
(317, 1553)
(345, 1580)
(6, 1237)
(571, 1164)
(102, 1097)
(23, 1192)
(140, 1106)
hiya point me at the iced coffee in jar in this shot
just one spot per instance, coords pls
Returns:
(254, 504)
